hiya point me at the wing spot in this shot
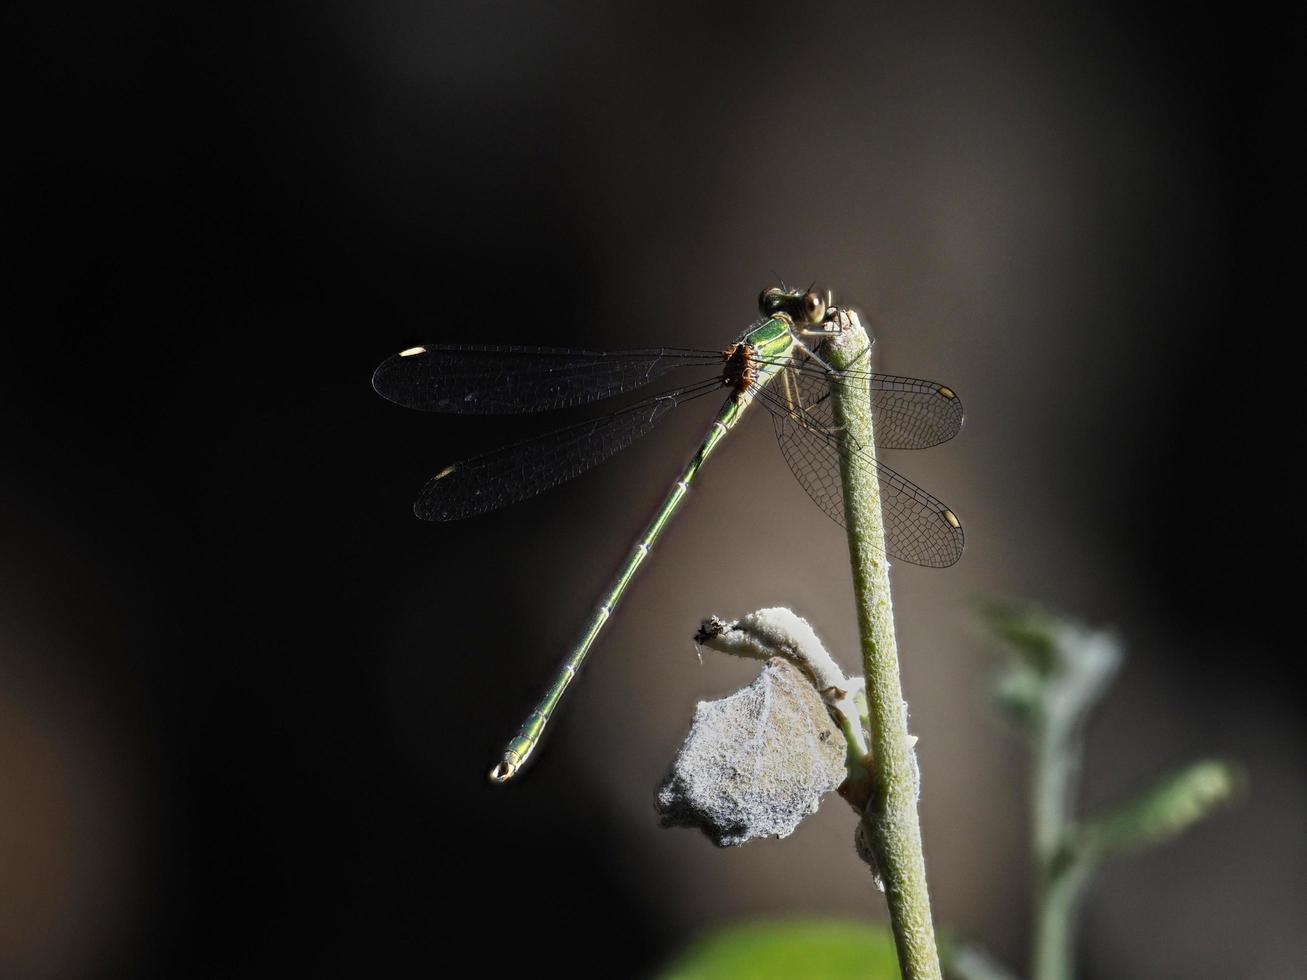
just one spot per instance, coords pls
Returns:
(951, 518)
(411, 351)
(947, 392)
(445, 472)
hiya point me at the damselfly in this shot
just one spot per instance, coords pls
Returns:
(775, 363)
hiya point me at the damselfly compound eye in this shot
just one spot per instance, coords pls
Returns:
(769, 300)
(814, 307)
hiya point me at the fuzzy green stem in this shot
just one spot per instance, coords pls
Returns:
(1058, 879)
(1056, 905)
(891, 814)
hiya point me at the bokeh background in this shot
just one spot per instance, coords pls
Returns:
(247, 701)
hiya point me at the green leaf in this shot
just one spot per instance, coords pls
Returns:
(1056, 671)
(783, 950)
(1027, 631)
(1020, 694)
(1168, 809)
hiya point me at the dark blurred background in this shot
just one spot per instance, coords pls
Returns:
(247, 701)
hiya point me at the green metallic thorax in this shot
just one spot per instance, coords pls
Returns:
(771, 343)
(772, 338)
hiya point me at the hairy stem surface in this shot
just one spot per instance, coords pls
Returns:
(891, 814)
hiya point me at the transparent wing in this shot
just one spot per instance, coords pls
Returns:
(919, 528)
(910, 413)
(520, 471)
(486, 380)
(913, 414)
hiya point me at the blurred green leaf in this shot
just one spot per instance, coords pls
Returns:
(1057, 669)
(1169, 808)
(814, 948)
(1027, 631)
(1020, 695)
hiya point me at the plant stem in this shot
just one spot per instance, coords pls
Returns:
(891, 814)
(1056, 901)
(1058, 877)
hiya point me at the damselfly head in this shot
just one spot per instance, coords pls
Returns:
(806, 307)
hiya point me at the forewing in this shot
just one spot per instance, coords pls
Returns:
(489, 380)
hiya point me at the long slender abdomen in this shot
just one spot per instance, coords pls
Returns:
(524, 743)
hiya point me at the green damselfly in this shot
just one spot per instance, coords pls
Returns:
(775, 363)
